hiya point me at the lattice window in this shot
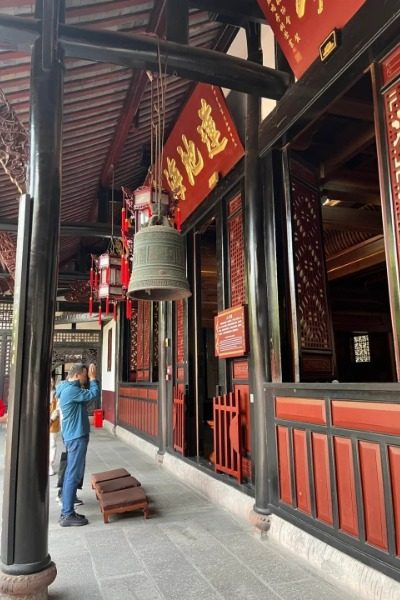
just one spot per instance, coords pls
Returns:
(7, 357)
(6, 315)
(236, 255)
(310, 269)
(133, 349)
(361, 348)
(180, 340)
(155, 337)
(76, 337)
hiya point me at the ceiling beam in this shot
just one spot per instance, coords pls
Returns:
(197, 64)
(361, 256)
(99, 230)
(242, 10)
(351, 219)
(352, 197)
(352, 181)
(352, 109)
(132, 101)
(347, 149)
(146, 53)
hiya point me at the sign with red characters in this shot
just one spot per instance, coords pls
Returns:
(230, 331)
(302, 26)
(202, 148)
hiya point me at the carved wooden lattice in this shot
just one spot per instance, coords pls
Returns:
(180, 342)
(310, 268)
(236, 253)
(133, 344)
(392, 110)
(155, 339)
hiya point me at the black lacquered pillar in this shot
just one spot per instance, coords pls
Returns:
(24, 544)
(256, 287)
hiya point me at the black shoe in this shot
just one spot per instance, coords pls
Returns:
(73, 520)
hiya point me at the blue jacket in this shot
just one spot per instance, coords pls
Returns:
(73, 400)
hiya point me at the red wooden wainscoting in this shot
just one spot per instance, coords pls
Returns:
(366, 416)
(108, 405)
(322, 483)
(285, 480)
(347, 500)
(373, 494)
(227, 438)
(304, 410)
(178, 425)
(394, 464)
(138, 409)
(301, 470)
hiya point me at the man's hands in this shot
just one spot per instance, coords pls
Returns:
(92, 371)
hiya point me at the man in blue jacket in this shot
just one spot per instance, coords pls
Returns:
(73, 401)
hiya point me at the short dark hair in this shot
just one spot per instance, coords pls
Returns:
(76, 369)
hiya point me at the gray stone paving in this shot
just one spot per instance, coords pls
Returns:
(189, 550)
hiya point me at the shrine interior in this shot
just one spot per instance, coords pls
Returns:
(340, 148)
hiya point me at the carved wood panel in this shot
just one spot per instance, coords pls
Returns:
(237, 274)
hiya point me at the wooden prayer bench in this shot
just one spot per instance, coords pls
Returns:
(115, 485)
(108, 476)
(122, 501)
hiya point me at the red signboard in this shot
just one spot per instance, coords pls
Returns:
(202, 148)
(231, 332)
(301, 26)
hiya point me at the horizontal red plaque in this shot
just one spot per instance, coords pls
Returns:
(391, 65)
(230, 328)
(366, 416)
(301, 26)
(305, 410)
(202, 148)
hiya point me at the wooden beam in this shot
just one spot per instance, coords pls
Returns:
(351, 219)
(193, 63)
(352, 181)
(346, 149)
(242, 10)
(132, 101)
(357, 258)
(352, 197)
(352, 109)
(100, 230)
(178, 21)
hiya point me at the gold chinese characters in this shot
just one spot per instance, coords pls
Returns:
(209, 132)
(191, 158)
(301, 7)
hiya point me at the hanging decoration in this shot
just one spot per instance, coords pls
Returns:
(110, 272)
(159, 256)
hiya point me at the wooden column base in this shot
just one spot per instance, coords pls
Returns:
(27, 587)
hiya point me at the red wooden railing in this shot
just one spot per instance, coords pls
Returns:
(179, 430)
(227, 438)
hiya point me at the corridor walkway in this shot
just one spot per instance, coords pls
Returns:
(189, 550)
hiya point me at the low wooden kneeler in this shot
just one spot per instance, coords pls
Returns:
(114, 485)
(123, 501)
(108, 476)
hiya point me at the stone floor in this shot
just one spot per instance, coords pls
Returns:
(189, 550)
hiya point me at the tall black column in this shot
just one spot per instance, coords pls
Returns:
(24, 548)
(162, 377)
(256, 286)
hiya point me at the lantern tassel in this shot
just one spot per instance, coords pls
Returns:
(115, 311)
(91, 305)
(99, 319)
(107, 305)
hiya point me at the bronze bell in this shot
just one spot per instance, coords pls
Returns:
(159, 265)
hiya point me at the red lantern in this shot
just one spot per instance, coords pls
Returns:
(110, 285)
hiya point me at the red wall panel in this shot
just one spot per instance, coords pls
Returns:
(285, 483)
(301, 470)
(346, 486)
(373, 494)
(394, 462)
(305, 410)
(366, 416)
(322, 483)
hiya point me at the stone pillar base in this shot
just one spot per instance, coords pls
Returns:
(27, 587)
(261, 522)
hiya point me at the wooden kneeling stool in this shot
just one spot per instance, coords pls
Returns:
(108, 476)
(115, 485)
(123, 501)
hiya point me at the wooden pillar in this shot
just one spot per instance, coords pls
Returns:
(256, 287)
(24, 549)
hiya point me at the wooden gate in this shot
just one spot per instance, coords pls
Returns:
(227, 442)
(179, 410)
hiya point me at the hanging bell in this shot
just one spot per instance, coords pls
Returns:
(158, 269)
